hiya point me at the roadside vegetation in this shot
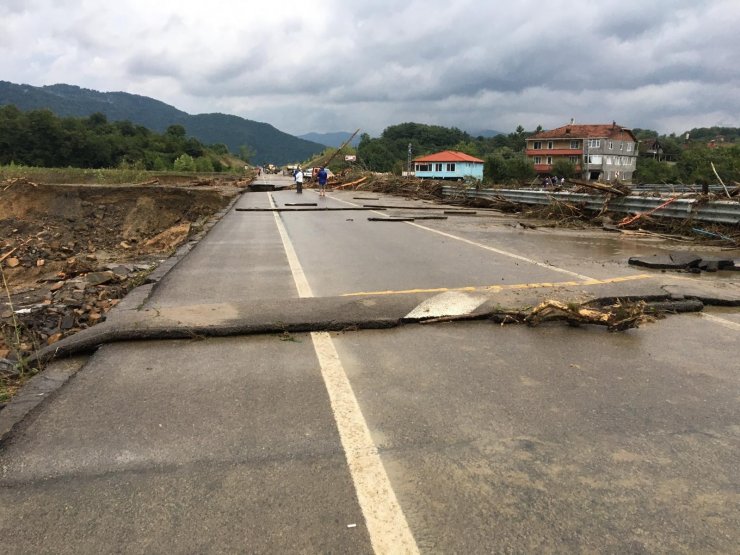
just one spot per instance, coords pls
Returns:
(41, 139)
(681, 161)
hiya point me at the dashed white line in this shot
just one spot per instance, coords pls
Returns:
(386, 524)
(304, 289)
(488, 248)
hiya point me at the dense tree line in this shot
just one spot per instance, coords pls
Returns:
(39, 138)
(689, 160)
(681, 160)
(503, 153)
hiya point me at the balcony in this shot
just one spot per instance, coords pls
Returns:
(554, 152)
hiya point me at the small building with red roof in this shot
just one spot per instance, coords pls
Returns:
(448, 164)
(598, 151)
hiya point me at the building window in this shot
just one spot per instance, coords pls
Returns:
(575, 144)
(594, 143)
(549, 159)
(538, 159)
(596, 159)
(423, 167)
(573, 159)
(629, 147)
(437, 167)
(621, 145)
(450, 167)
(611, 145)
(537, 145)
(609, 160)
(550, 145)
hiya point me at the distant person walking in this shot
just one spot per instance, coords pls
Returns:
(323, 178)
(299, 181)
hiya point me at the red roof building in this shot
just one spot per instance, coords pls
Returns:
(448, 164)
(598, 151)
(448, 156)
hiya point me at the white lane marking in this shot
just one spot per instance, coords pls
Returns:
(486, 247)
(721, 321)
(386, 524)
(449, 303)
(499, 251)
(301, 283)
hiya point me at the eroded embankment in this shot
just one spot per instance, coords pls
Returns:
(68, 253)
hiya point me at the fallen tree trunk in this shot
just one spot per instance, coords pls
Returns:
(623, 191)
(357, 182)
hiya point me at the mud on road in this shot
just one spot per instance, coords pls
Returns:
(68, 253)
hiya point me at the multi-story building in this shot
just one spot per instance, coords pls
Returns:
(598, 152)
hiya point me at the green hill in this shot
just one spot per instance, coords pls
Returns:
(265, 142)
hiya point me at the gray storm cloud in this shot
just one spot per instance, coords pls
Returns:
(327, 64)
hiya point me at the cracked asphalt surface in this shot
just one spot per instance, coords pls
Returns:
(492, 439)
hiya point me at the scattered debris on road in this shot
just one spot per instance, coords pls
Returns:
(391, 219)
(564, 213)
(616, 317)
(685, 261)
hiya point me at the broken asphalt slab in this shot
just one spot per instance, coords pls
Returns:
(683, 261)
(128, 322)
(368, 311)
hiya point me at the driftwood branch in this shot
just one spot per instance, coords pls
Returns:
(720, 180)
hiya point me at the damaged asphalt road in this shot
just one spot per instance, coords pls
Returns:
(246, 426)
(381, 311)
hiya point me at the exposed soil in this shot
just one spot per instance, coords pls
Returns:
(68, 253)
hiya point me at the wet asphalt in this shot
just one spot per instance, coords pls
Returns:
(494, 439)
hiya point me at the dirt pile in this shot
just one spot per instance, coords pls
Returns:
(47, 225)
(69, 252)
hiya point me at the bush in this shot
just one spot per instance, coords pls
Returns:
(203, 164)
(184, 163)
(564, 168)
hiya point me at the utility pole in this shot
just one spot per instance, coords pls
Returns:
(408, 165)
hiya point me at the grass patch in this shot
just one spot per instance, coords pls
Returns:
(116, 176)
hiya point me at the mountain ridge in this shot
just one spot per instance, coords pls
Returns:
(333, 139)
(266, 143)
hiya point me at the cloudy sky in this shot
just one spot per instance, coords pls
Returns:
(328, 65)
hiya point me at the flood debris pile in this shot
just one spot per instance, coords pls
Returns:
(65, 303)
(619, 316)
(409, 187)
(69, 252)
(614, 314)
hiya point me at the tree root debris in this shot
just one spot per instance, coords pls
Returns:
(619, 315)
(616, 317)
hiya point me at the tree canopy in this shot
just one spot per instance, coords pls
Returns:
(39, 138)
(684, 161)
(385, 152)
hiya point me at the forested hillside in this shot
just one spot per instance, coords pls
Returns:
(261, 141)
(40, 138)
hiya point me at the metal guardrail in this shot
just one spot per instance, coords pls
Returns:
(676, 188)
(718, 211)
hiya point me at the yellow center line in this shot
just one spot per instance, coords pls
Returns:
(499, 288)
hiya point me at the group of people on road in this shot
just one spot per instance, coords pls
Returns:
(321, 175)
(553, 181)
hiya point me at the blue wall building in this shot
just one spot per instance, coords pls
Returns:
(448, 164)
